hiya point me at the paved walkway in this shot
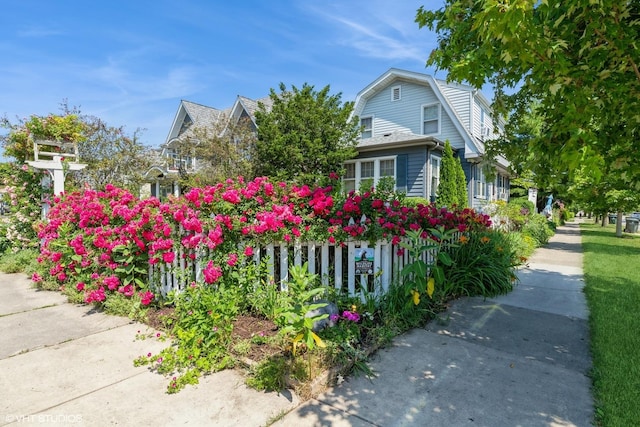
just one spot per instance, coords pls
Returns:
(66, 365)
(517, 360)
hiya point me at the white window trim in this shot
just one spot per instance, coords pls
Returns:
(422, 107)
(480, 183)
(376, 169)
(433, 191)
(367, 117)
(393, 91)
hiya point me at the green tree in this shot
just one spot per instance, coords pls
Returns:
(222, 150)
(577, 60)
(448, 189)
(461, 184)
(111, 156)
(305, 135)
(452, 189)
(604, 197)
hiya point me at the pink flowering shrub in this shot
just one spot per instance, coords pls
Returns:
(102, 242)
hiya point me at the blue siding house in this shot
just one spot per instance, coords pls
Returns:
(406, 118)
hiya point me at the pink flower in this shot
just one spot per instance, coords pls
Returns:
(146, 297)
(36, 278)
(232, 259)
(112, 282)
(168, 257)
(248, 251)
(211, 273)
(127, 291)
(80, 286)
(96, 296)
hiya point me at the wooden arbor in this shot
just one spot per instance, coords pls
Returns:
(57, 158)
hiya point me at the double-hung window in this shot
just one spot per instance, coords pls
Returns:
(366, 173)
(431, 119)
(479, 182)
(349, 179)
(367, 127)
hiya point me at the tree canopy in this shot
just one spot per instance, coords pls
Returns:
(223, 150)
(305, 135)
(577, 61)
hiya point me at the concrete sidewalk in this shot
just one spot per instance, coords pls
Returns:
(62, 364)
(517, 360)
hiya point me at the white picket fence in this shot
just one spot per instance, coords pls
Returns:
(334, 263)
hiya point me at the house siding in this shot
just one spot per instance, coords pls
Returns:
(405, 115)
(416, 167)
(460, 100)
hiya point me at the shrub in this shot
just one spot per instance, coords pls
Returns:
(413, 202)
(19, 262)
(483, 265)
(539, 229)
(202, 332)
(523, 245)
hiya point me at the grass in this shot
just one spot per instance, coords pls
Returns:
(611, 266)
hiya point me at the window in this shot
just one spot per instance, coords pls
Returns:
(431, 119)
(349, 180)
(485, 128)
(367, 172)
(479, 182)
(503, 187)
(396, 93)
(367, 127)
(387, 168)
(434, 173)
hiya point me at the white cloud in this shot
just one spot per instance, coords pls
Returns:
(381, 30)
(37, 32)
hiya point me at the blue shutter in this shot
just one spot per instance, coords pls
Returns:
(401, 172)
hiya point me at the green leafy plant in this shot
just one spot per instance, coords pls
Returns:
(269, 375)
(427, 256)
(295, 318)
(482, 264)
(133, 268)
(201, 333)
(117, 304)
(266, 300)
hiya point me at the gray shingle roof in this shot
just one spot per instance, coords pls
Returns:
(203, 116)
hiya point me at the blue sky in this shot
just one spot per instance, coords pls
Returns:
(131, 62)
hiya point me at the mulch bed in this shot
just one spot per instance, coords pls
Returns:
(246, 327)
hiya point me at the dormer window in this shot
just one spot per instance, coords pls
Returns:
(367, 127)
(396, 93)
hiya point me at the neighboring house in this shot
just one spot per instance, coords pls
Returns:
(174, 160)
(406, 119)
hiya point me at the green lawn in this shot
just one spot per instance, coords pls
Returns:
(612, 276)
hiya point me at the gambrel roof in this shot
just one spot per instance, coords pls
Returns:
(473, 146)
